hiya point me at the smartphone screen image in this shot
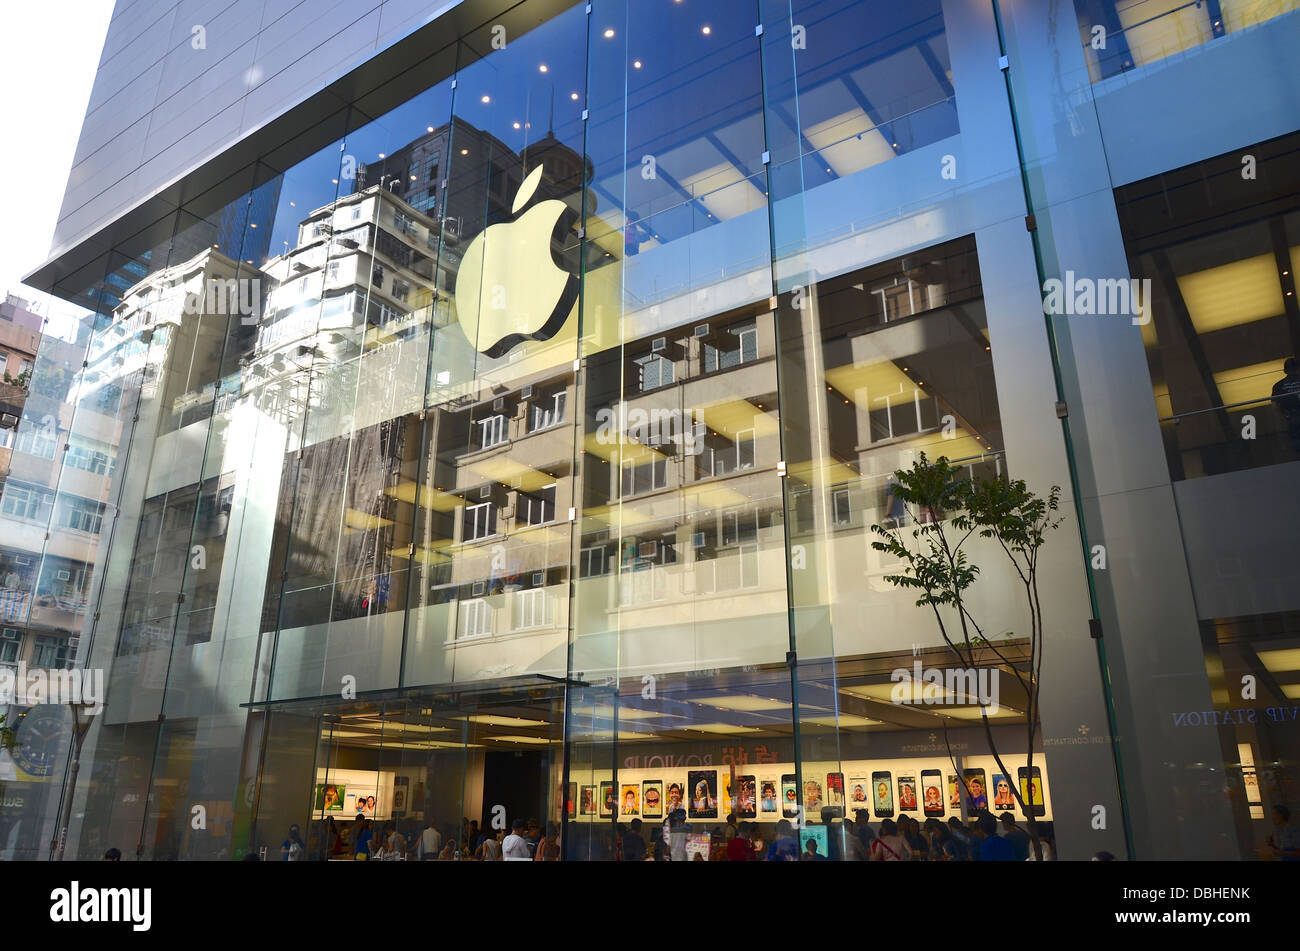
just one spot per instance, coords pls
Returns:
(882, 795)
(1031, 789)
(907, 794)
(746, 797)
(835, 792)
(789, 796)
(977, 798)
(932, 792)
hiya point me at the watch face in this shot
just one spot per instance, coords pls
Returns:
(37, 744)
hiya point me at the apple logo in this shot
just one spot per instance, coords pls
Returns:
(509, 288)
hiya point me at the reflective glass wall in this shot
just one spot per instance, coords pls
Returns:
(511, 445)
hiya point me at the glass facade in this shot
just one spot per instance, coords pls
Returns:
(511, 444)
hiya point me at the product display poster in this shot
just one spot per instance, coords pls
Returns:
(676, 797)
(907, 794)
(932, 792)
(882, 795)
(747, 797)
(587, 805)
(859, 793)
(607, 800)
(329, 797)
(812, 798)
(1002, 798)
(835, 792)
(977, 798)
(629, 803)
(767, 795)
(703, 785)
(401, 785)
(789, 796)
(954, 794)
(728, 800)
(571, 800)
(652, 799)
(1031, 789)
(814, 833)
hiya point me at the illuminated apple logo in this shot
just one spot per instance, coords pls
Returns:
(509, 289)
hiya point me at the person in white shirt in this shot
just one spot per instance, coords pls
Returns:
(515, 847)
(430, 843)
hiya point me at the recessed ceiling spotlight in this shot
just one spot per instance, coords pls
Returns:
(636, 64)
(609, 34)
(707, 30)
(543, 68)
(486, 99)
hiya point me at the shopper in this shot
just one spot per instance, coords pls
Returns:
(961, 840)
(361, 838)
(866, 834)
(739, 848)
(548, 846)
(1046, 842)
(993, 847)
(113, 855)
(910, 830)
(677, 829)
(430, 841)
(889, 846)
(634, 849)
(1286, 393)
(1284, 842)
(1017, 836)
(293, 848)
(784, 848)
(515, 847)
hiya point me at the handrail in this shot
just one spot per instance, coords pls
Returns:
(1215, 409)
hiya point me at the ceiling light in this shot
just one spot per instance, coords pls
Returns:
(516, 125)
(573, 95)
(430, 128)
(382, 155)
(844, 720)
(609, 34)
(493, 720)
(1280, 661)
(521, 739)
(973, 713)
(743, 702)
(464, 151)
(636, 64)
(707, 30)
(543, 68)
(486, 99)
(722, 728)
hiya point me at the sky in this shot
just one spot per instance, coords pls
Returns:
(48, 55)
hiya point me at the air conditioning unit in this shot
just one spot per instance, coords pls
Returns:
(499, 404)
(22, 561)
(485, 492)
(648, 549)
(63, 575)
(702, 330)
(539, 578)
(660, 343)
(697, 540)
(478, 589)
(527, 392)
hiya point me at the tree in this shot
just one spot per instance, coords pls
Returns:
(936, 564)
(7, 736)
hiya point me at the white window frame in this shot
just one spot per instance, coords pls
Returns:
(473, 619)
(544, 416)
(472, 520)
(841, 495)
(492, 431)
(533, 608)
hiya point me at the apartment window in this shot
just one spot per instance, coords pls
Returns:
(80, 515)
(645, 476)
(475, 618)
(722, 456)
(537, 508)
(50, 652)
(480, 521)
(332, 271)
(377, 275)
(655, 371)
(36, 441)
(492, 431)
(741, 346)
(29, 502)
(594, 562)
(6, 437)
(533, 608)
(401, 290)
(402, 222)
(841, 510)
(548, 411)
(11, 644)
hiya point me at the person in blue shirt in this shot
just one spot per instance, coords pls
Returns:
(785, 847)
(992, 847)
(361, 842)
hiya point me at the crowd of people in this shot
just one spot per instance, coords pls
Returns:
(362, 840)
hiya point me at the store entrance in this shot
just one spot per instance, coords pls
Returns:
(462, 764)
